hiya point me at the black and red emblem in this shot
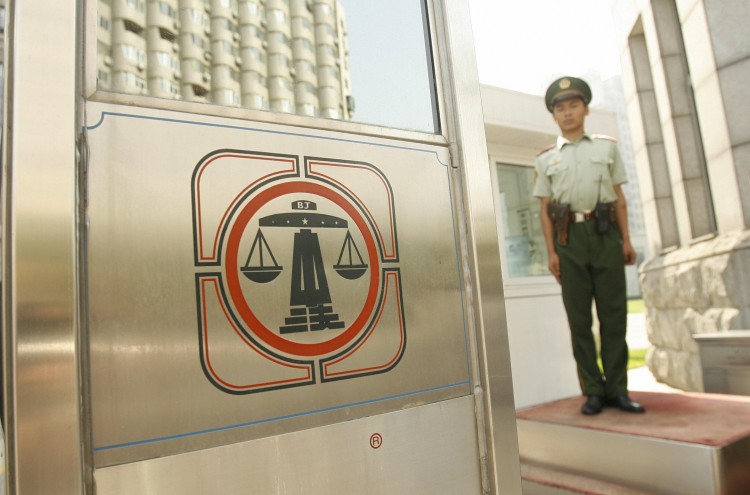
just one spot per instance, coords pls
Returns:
(297, 270)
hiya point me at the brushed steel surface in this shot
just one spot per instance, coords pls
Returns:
(151, 394)
(428, 450)
(532, 488)
(42, 394)
(646, 463)
(465, 128)
(246, 114)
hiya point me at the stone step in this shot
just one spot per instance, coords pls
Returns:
(725, 361)
(684, 444)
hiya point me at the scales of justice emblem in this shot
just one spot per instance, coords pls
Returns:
(310, 298)
(297, 271)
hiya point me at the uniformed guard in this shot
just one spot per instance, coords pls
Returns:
(585, 225)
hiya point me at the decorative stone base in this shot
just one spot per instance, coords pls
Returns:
(702, 288)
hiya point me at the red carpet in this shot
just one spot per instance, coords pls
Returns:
(706, 419)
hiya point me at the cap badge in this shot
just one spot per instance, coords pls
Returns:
(565, 84)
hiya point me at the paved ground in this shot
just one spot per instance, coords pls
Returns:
(636, 336)
(641, 379)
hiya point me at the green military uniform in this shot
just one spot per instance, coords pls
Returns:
(592, 265)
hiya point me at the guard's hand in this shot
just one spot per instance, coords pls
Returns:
(554, 266)
(628, 253)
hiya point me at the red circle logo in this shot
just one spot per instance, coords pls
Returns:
(245, 305)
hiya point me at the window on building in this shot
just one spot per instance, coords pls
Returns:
(691, 156)
(228, 4)
(225, 24)
(525, 248)
(252, 8)
(676, 159)
(104, 23)
(381, 47)
(278, 15)
(198, 17)
(654, 139)
(305, 22)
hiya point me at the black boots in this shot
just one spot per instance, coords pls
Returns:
(595, 403)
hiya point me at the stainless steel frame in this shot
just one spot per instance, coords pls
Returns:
(40, 244)
(494, 387)
(44, 316)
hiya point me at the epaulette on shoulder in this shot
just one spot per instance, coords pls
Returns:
(545, 149)
(604, 136)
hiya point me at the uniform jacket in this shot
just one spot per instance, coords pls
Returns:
(580, 173)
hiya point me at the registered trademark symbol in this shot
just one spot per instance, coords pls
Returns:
(376, 440)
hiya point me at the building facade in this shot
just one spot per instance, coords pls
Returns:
(288, 56)
(686, 64)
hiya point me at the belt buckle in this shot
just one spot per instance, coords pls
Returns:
(579, 216)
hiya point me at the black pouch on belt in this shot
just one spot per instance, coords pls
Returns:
(602, 214)
(559, 213)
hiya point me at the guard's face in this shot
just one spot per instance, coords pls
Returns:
(570, 114)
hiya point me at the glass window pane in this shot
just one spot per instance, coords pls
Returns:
(525, 249)
(373, 54)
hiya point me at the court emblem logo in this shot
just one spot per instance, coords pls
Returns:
(297, 273)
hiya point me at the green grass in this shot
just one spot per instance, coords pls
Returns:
(636, 306)
(637, 358)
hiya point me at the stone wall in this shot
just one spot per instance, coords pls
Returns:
(700, 288)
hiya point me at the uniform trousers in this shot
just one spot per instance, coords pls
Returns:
(592, 267)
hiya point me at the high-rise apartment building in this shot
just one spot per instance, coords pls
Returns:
(287, 56)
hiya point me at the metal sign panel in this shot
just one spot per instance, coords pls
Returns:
(427, 450)
(250, 279)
